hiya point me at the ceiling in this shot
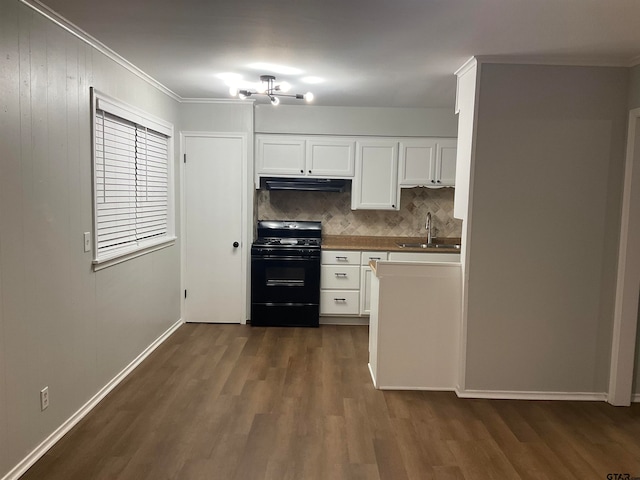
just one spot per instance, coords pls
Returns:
(376, 53)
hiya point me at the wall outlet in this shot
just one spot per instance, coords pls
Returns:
(44, 398)
(87, 241)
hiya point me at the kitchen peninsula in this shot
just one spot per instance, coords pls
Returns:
(414, 326)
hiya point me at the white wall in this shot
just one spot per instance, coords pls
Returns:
(304, 119)
(545, 223)
(217, 116)
(62, 325)
(634, 102)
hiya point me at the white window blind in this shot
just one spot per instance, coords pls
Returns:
(132, 183)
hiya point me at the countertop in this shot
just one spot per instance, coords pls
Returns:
(387, 244)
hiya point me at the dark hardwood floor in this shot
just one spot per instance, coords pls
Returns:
(236, 402)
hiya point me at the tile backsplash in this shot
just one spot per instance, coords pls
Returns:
(334, 210)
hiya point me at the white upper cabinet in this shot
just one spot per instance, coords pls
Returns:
(428, 162)
(375, 184)
(280, 155)
(330, 157)
(296, 155)
(445, 171)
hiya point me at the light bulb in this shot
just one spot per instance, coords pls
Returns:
(275, 101)
(233, 91)
(285, 87)
(242, 96)
(309, 97)
(261, 88)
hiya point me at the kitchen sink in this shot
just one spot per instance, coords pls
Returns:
(443, 246)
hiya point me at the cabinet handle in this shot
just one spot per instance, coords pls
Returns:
(374, 258)
(393, 206)
(341, 258)
(438, 181)
(433, 181)
(340, 274)
(340, 299)
(309, 171)
(301, 171)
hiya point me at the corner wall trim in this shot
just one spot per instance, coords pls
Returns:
(16, 472)
(76, 31)
(518, 395)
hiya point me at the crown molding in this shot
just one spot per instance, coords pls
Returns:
(236, 101)
(98, 45)
(574, 61)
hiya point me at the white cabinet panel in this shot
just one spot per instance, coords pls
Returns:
(330, 157)
(340, 276)
(375, 184)
(417, 159)
(339, 302)
(280, 155)
(445, 174)
(340, 257)
(365, 290)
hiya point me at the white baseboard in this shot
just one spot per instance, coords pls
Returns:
(518, 395)
(52, 439)
(416, 389)
(328, 320)
(635, 398)
(373, 378)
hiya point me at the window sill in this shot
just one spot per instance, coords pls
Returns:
(125, 255)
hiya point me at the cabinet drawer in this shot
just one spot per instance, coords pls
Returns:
(339, 257)
(340, 277)
(339, 302)
(367, 256)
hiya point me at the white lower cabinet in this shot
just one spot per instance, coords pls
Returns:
(345, 282)
(345, 279)
(365, 279)
(340, 283)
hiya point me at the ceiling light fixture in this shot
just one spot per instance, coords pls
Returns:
(272, 90)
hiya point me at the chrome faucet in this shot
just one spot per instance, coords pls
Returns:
(429, 235)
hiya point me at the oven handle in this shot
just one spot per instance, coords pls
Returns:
(288, 258)
(285, 283)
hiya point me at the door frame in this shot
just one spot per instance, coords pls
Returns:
(246, 209)
(625, 318)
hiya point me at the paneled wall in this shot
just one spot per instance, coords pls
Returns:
(61, 325)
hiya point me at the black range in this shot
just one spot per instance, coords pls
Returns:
(285, 273)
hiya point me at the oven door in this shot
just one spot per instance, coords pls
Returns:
(285, 280)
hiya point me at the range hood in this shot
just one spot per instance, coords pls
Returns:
(307, 184)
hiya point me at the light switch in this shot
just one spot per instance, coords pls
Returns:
(87, 241)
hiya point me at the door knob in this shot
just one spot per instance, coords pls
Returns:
(236, 244)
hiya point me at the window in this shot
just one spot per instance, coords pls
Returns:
(133, 199)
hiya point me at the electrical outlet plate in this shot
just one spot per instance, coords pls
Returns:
(44, 398)
(87, 241)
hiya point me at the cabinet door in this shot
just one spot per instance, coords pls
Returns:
(375, 185)
(417, 162)
(445, 174)
(330, 157)
(365, 290)
(280, 155)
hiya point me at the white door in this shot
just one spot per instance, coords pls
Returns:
(213, 225)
